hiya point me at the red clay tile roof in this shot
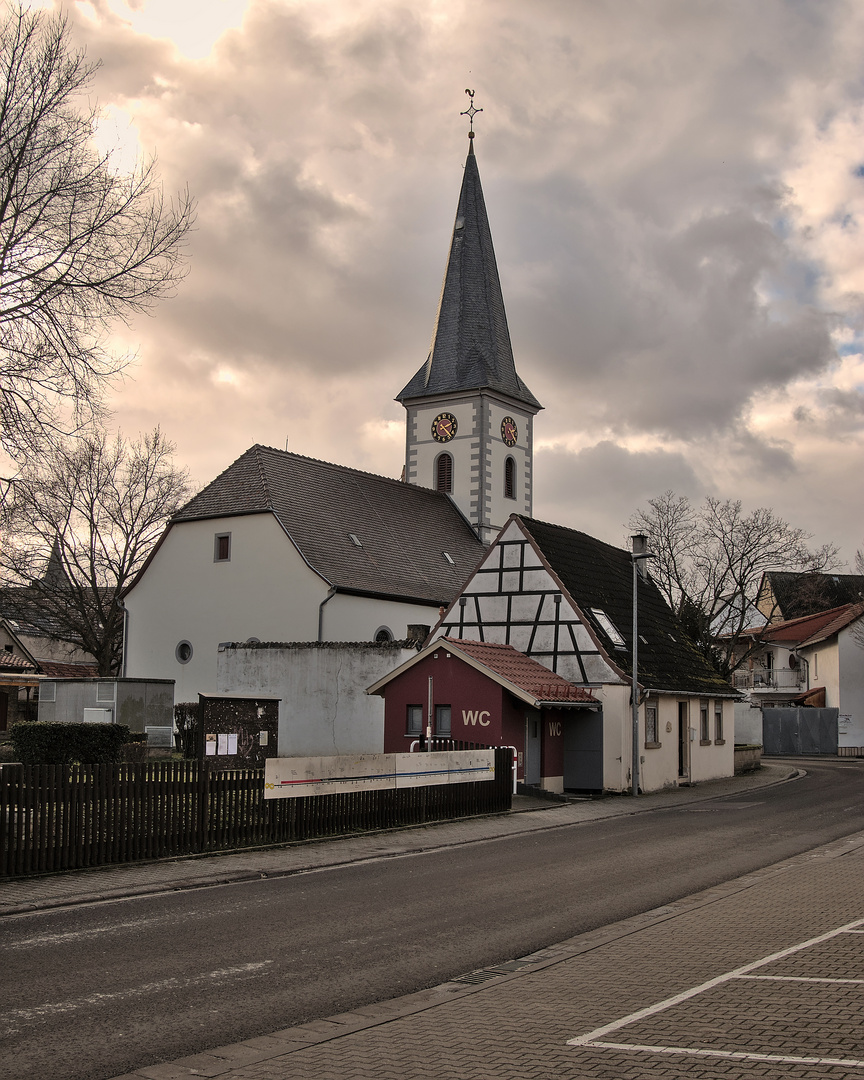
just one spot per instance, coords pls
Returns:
(521, 670)
(842, 618)
(55, 669)
(809, 628)
(12, 662)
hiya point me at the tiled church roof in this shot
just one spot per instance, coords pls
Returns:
(471, 347)
(404, 530)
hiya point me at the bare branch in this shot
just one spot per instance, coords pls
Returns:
(78, 526)
(81, 244)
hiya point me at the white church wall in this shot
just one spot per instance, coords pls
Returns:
(357, 618)
(324, 709)
(265, 590)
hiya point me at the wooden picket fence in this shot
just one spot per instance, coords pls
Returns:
(63, 817)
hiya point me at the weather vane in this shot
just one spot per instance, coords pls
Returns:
(470, 112)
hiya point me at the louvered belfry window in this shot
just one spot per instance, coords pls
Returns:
(444, 473)
(509, 478)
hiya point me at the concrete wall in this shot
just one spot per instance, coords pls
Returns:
(748, 723)
(324, 709)
(851, 696)
(137, 703)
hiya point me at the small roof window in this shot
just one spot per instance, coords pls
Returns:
(608, 627)
(449, 557)
(355, 540)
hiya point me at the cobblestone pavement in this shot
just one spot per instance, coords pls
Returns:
(761, 977)
(529, 815)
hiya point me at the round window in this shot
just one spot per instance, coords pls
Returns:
(183, 652)
(383, 633)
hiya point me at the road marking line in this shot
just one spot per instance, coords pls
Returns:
(40, 1012)
(74, 935)
(686, 995)
(736, 1055)
(801, 978)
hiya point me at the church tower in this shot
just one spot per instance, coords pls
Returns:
(470, 417)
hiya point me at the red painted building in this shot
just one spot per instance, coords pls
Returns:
(485, 694)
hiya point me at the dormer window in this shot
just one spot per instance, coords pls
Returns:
(608, 627)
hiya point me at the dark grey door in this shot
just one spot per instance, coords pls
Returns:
(583, 751)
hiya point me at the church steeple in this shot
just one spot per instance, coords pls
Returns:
(470, 347)
(469, 414)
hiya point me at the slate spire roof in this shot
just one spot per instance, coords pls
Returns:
(364, 534)
(471, 347)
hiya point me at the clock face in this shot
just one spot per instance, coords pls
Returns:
(444, 427)
(509, 431)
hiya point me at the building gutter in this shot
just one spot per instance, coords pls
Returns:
(326, 600)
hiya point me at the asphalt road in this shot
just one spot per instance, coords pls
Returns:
(93, 991)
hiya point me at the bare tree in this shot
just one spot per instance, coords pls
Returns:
(78, 526)
(710, 562)
(81, 244)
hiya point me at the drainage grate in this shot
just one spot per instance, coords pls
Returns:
(475, 978)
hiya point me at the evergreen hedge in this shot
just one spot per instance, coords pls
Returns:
(49, 742)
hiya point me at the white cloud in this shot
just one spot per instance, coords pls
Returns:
(674, 202)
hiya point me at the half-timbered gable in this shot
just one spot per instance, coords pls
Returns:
(516, 598)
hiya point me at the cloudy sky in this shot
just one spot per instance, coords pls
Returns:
(676, 194)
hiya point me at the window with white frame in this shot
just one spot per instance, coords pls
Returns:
(651, 725)
(704, 733)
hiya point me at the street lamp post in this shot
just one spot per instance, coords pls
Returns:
(639, 553)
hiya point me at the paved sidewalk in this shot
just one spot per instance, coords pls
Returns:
(761, 977)
(528, 815)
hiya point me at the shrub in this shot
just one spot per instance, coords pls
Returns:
(44, 742)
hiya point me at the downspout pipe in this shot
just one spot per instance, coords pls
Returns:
(326, 600)
(125, 654)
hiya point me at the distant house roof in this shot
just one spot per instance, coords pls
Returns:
(12, 662)
(471, 347)
(362, 533)
(56, 669)
(514, 671)
(794, 631)
(599, 578)
(842, 617)
(807, 593)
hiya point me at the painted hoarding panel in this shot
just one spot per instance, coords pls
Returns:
(295, 777)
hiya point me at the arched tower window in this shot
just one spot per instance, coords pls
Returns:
(444, 473)
(509, 478)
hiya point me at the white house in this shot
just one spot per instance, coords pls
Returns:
(815, 660)
(566, 600)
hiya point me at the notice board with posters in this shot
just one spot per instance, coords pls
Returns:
(237, 732)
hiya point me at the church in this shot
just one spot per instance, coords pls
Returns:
(316, 584)
(282, 547)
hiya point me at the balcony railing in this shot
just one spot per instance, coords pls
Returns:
(769, 679)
